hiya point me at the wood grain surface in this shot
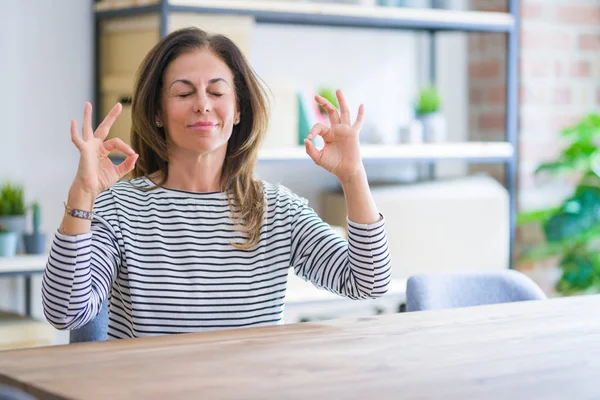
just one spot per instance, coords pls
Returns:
(535, 350)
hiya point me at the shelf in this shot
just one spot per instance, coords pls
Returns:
(307, 13)
(23, 264)
(481, 152)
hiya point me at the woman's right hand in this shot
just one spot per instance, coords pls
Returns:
(96, 171)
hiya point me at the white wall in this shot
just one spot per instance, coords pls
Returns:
(46, 75)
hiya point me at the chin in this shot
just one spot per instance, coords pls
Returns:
(208, 146)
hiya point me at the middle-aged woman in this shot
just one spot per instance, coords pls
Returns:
(193, 241)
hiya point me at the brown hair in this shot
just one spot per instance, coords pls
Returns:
(149, 141)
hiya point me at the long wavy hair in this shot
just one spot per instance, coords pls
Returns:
(245, 194)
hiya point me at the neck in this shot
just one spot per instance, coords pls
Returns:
(196, 173)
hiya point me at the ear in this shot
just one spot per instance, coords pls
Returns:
(237, 118)
(159, 120)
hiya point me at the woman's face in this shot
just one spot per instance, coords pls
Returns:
(198, 103)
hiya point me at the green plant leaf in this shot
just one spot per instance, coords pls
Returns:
(572, 230)
(12, 201)
(543, 251)
(575, 243)
(554, 167)
(428, 101)
(536, 216)
(579, 274)
(328, 94)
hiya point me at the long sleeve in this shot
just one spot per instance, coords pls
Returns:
(81, 268)
(358, 268)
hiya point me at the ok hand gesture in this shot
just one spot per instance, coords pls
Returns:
(341, 153)
(96, 172)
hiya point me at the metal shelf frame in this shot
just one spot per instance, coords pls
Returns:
(430, 21)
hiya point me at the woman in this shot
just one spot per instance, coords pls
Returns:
(193, 242)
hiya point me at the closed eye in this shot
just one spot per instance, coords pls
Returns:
(184, 95)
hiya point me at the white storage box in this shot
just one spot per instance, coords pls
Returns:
(440, 226)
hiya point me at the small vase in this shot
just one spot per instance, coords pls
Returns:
(15, 223)
(8, 244)
(35, 243)
(434, 127)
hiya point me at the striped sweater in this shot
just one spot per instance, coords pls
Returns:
(165, 261)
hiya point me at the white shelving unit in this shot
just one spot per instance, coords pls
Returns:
(333, 14)
(470, 151)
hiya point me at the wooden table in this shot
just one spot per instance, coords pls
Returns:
(536, 350)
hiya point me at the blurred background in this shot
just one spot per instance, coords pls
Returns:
(480, 136)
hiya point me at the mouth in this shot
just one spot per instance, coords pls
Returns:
(203, 126)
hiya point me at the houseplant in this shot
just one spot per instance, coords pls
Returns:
(571, 230)
(428, 112)
(35, 242)
(8, 242)
(328, 94)
(12, 210)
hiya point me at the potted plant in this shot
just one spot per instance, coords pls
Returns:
(571, 230)
(35, 242)
(12, 210)
(8, 242)
(428, 112)
(328, 94)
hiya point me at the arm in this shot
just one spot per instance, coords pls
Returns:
(85, 254)
(366, 268)
(81, 268)
(357, 268)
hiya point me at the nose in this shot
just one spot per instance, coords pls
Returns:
(202, 104)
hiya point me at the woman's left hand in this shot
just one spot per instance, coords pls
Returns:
(341, 153)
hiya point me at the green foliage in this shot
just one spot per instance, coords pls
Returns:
(37, 216)
(12, 200)
(428, 101)
(572, 229)
(329, 94)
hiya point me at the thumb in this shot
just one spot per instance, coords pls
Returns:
(127, 165)
(312, 151)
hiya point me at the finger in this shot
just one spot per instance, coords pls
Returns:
(127, 166)
(344, 109)
(88, 131)
(334, 116)
(312, 151)
(75, 138)
(360, 117)
(319, 129)
(107, 123)
(118, 144)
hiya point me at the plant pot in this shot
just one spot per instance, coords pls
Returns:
(35, 243)
(434, 127)
(405, 3)
(448, 4)
(15, 223)
(8, 244)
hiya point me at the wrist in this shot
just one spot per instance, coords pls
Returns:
(359, 177)
(80, 199)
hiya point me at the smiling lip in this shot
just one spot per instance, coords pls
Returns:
(203, 126)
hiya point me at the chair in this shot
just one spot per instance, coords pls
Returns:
(453, 290)
(93, 331)
(13, 393)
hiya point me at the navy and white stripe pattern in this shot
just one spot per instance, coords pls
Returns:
(165, 260)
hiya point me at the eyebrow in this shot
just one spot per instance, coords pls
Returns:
(187, 82)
